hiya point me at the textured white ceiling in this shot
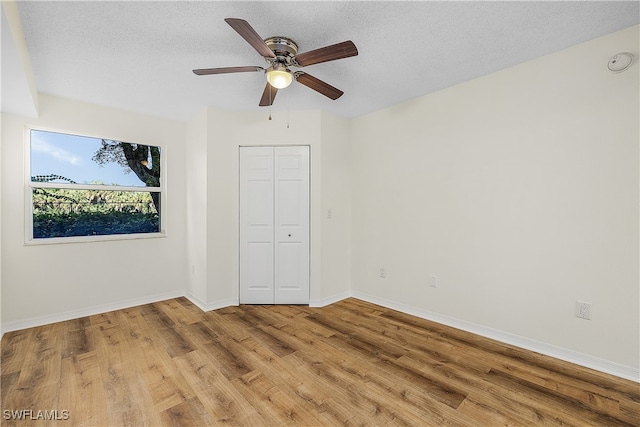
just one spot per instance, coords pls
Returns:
(139, 55)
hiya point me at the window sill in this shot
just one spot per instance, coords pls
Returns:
(90, 239)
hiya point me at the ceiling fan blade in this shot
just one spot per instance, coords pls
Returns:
(327, 53)
(247, 32)
(268, 96)
(225, 70)
(318, 85)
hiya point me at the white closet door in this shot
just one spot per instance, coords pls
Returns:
(274, 225)
(292, 225)
(256, 225)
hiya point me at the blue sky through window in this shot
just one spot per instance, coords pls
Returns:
(70, 156)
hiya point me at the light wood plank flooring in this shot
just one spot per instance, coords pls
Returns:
(351, 363)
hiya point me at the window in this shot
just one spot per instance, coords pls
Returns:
(82, 186)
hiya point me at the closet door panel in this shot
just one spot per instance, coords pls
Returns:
(256, 225)
(292, 225)
(274, 225)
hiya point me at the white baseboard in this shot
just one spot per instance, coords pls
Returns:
(89, 311)
(204, 306)
(329, 300)
(608, 367)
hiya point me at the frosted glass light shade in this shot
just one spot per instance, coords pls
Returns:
(279, 78)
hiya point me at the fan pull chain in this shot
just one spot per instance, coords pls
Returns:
(288, 105)
(270, 102)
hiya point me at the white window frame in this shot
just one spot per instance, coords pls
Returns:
(30, 185)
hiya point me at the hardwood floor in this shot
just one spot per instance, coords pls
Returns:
(351, 363)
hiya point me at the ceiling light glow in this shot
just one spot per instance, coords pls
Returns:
(279, 77)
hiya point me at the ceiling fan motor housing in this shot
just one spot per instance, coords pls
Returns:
(284, 48)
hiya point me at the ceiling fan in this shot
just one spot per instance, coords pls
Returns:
(281, 53)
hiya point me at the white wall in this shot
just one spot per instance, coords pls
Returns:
(1, 274)
(19, 94)
(255, 129)
(196, 207)
(222, 244)
(519, 191)
(210, 247)
(336, 196)
(51, 282)
(225, 133)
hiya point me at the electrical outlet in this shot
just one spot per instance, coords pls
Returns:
(583, 310)
(383, 274)
(329, 213)
(433, 281)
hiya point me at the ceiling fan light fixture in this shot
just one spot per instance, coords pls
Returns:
(279, 77)
(280, 53)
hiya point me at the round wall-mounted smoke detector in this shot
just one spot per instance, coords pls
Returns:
(620, 62)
